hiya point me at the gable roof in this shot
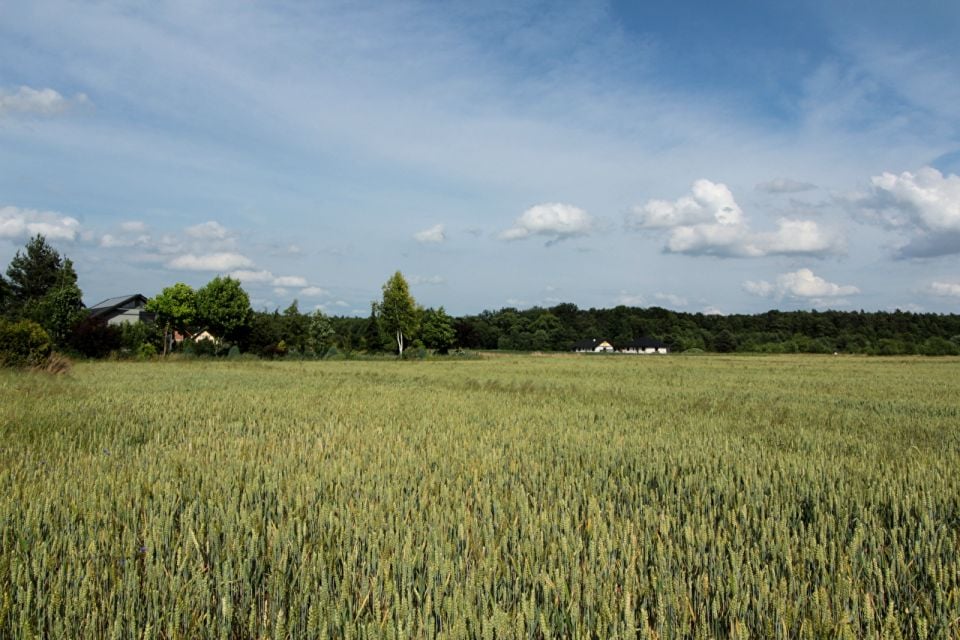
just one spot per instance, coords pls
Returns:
(132, 301)
(590, 344)
(643, 343)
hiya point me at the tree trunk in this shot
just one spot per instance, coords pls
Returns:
(166, 339)
(400, 342)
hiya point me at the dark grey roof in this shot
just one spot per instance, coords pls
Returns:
(132, 301)
(587, 344)
(643, 343)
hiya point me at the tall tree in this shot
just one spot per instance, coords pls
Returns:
(4, 294)
(397, 314)
(296, 328)
(176, 309)
(43, 288)
(223, 307)
(35, 272)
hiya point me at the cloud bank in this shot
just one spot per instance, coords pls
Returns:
(801, 284)
(21, 224)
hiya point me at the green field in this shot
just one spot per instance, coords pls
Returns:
(511, 497)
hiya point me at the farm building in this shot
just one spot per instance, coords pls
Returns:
(593, 346)
(116, 311)
(638, 346)
(643, 345)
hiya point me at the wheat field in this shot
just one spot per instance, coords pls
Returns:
(510, 497)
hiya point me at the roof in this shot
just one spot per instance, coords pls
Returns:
(643, 343)
(590, 344)
(132, 301)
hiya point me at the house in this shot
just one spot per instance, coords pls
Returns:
(123, 309)
(205, 336)
(593, 346)
(643, 345)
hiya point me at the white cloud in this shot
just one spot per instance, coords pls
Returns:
(17, 224)
(925, 204)
(671, 299)
(945, 289)
(710, 202)
(280, 291)
(133, 226)
(208, 231)
(415, 280)
(631, 300)
(710, 222)
(290, 281)
(313, 292)
(712, 311)
(250, 276)
(785, 185)
(222, 261)
(433, 235)
(40, 101)
(800, 284)
(553, 220)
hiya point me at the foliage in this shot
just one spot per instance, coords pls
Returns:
(223, 307)
(437, 330)
(397, 314)
(43, 288)
(176, 309)
(321, 332)
(23, 344)
(94, 338)
(510, 497)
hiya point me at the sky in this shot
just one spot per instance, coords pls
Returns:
(699, 156)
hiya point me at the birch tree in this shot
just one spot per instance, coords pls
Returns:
(397, 313)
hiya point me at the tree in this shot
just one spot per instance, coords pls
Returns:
(176, 309)
(33, 273)
(321, 332)
(4, 294)
(397, 314)
(223, 307)
(437, 330)
(43, 288)
(296, 328)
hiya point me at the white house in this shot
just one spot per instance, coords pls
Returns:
(122, 309)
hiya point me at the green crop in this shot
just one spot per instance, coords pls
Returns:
(514, 497)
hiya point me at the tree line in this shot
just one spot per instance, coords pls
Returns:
(41, 304)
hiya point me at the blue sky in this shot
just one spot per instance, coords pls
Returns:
(701, 156)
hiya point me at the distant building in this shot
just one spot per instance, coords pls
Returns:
(643, 345)
(593, 346)
(123, 309)
(637, 346)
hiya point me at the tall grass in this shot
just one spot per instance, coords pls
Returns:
(768, 497)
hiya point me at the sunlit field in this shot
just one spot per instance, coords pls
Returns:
(509, 497)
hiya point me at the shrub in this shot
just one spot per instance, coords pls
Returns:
(23, 344)
(146, 351)
(94, 338)
(234, 352)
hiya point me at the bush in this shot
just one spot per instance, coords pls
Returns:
(94, 338)
(23, 344)
(234, 352)
(146, 351)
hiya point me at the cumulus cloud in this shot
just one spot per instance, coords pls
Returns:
(45, 102)
(925, 204)
(553, 220)
(433, 235)
(221, 261)
(289, 281)
(945, 289)
(18, 224)
(785, 185)
(710, 222)
(313, 292)
(799, 284)
(208, 231)
(631, 300)
(415, 280)
(262, 276)
(710, 202)
(670, 299)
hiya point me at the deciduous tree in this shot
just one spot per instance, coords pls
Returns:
(223, 307)
(397, 313)
(176, 309)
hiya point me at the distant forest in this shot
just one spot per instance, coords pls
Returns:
(557, 328)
